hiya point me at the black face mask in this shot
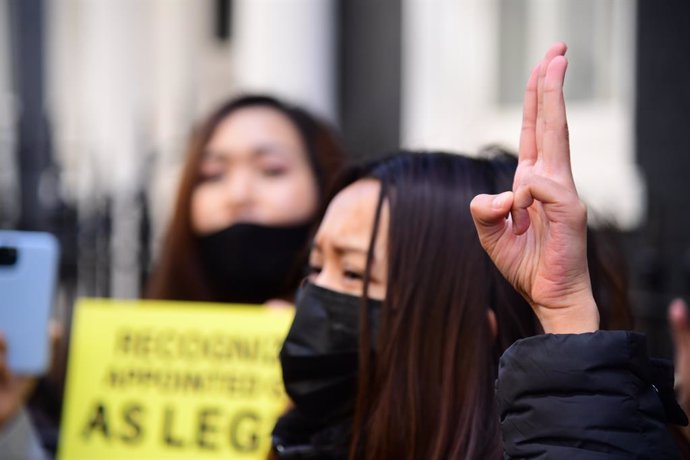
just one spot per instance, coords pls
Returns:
(249, 263)
(321, 352)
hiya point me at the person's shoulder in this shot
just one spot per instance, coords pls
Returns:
(599, 388)
(18, 439)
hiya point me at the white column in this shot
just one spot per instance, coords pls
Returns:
(447, 74)
(178, 29)
(99, 87)
(287, 48)
(9, 187)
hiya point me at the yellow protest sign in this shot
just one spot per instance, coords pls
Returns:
(172, 380)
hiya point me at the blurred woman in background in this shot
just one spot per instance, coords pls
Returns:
(254, 178)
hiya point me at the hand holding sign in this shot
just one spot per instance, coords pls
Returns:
(537, 233)
(14, 390)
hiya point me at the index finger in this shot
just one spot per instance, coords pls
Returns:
(557, 49)
(528, 145)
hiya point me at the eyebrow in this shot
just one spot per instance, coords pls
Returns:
(341, 248)
(260, 151)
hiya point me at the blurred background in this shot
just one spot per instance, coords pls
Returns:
(98, 98)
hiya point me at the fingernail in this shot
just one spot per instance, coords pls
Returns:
(499, 201)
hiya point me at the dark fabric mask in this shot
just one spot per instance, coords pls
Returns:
(321, 352)
(250, 263)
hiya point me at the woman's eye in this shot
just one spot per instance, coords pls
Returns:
(274, 172)
(214, 177)
(353, 276)
(313, 270)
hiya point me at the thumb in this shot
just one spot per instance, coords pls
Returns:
(489, 214)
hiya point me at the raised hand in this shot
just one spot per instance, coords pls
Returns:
(536, 234)
(680, 329)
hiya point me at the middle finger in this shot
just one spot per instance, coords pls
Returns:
(557, 49)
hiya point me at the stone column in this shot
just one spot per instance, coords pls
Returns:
(287, 48)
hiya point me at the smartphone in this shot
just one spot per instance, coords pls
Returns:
(28, 274)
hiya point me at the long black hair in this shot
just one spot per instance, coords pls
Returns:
(428, 392)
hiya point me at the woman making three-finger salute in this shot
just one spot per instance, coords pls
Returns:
(578, 393)
(541, 248)
(393, 351)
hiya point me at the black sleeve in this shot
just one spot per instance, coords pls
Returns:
(585, 396)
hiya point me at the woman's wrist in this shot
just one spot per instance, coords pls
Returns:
(581, 316)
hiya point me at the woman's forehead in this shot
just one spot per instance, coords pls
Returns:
(350, 216)
(246, 127)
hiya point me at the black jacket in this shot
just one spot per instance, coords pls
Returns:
(586, 396)
(566, 397)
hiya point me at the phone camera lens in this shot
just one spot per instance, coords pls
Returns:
(8, 256)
